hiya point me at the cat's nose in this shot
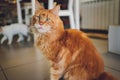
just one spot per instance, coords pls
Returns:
(41, 23)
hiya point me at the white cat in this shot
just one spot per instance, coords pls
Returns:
(9, 31)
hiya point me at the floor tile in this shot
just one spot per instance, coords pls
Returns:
(116, 74)
(13, 56)
(2, 76)
(112, 60)
(101, 45)
(0, 68)
(35, 71)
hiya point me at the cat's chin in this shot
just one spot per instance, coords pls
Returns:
(42, 31)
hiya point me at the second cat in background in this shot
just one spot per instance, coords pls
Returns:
(9, 31)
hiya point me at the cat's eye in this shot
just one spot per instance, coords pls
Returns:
(47, 19)
(37, 17)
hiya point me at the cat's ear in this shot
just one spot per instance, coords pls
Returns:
(56, 10)
(38, 6)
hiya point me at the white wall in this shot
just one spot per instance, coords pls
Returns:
(99, 15)
(114, 39)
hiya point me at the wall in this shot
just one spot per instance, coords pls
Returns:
(99, 14)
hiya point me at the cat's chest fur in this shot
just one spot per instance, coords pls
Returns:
(48, 45)
(42, 41)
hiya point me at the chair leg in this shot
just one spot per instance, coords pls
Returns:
(19, 12)
(72, 23)
(50, 4)
(77, 14)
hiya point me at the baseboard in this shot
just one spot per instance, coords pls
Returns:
(95, 31)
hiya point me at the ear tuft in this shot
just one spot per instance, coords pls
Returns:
(56, 10)
(38, 6)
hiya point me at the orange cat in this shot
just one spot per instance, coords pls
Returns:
(72, 54)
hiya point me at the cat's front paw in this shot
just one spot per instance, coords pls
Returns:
(28, 39)
(19, 40)
(1, 42)
(9, 43)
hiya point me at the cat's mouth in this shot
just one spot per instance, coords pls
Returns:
(42, 28)
(38, 26)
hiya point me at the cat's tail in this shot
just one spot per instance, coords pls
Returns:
(106, 76)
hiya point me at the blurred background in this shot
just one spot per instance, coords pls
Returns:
(99, 19)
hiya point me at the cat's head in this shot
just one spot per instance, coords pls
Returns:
(46, 20)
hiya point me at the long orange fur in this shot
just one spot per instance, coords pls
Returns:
(71, 52)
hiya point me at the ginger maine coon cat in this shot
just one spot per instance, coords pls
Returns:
(72, 54)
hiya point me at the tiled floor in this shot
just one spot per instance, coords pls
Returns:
(111, 60)
(22, 62)
(2, 76)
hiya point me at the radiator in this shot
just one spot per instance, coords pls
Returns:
(99, 14)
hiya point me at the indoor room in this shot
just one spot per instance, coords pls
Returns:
(84, 30)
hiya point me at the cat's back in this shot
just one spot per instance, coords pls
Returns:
(74, 33)
(18, 27)
(76, 38)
